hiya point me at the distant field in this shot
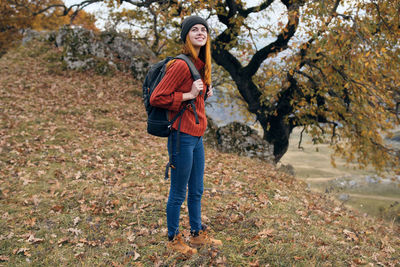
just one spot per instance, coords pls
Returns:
(313, 165)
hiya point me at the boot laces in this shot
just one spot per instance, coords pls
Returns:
(179, 239)
(205, 235)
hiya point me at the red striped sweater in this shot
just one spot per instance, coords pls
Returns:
(168, 94)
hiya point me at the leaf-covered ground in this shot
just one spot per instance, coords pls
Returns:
(81, 183)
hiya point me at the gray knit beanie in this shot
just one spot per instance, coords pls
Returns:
(189, 22)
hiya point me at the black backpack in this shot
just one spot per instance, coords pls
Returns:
(157, 120)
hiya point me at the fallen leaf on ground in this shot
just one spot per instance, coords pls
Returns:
(62, 241)
(266, 233)
(136, 256)
(76, 220)
(57, 208)
(23, 251)
(75, 231)
(4, 258)
(351, 236)
(32, 239)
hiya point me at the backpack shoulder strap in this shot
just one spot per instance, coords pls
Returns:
(195, 73)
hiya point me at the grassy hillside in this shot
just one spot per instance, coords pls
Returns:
(81, 183)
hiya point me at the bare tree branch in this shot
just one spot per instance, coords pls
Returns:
(380, 16)
(264, 5)
(277, 46)
(301, 139)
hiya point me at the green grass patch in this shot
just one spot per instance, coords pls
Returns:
(106, 124)
(385, 209)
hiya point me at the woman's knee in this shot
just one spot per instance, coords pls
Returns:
(177, 198)
(195, 194)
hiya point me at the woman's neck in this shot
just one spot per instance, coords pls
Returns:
(197, 50)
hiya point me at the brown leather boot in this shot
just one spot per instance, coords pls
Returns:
(203, 238)
(178, 244)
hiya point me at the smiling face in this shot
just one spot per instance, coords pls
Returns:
(198, 35)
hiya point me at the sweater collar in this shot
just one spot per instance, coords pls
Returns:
(199, 64)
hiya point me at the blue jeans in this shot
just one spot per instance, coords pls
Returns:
(188, 160)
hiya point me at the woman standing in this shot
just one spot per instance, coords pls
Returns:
(186, 148)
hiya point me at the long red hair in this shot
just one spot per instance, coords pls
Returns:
(204, 55)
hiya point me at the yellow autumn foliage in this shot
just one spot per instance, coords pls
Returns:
(17, 16)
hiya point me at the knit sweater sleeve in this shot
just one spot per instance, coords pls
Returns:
(166, 95)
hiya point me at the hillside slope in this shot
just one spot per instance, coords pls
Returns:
(82, 184)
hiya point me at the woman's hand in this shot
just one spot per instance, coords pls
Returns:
(197, 87)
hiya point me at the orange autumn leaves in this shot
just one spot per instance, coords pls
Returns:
(17, 16)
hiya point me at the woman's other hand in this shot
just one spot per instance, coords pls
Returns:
(197, 87)
(210, 91)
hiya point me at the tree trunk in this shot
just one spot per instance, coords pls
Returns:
(278, 134)
(276, 128)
